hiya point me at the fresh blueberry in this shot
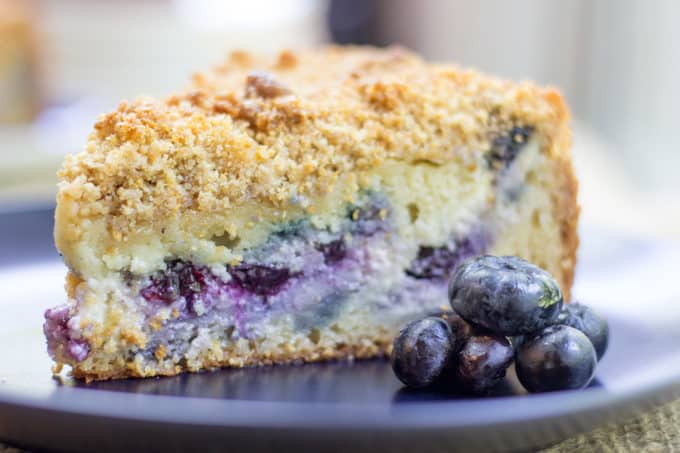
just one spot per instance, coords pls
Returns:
(517, 341)
(440, 262)
(482, 362)
(583, 318)
(505, 294)
(557, 358)
(259, 278)
(460, 329)
(421, 352)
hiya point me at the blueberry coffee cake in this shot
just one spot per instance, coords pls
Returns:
(299, 208)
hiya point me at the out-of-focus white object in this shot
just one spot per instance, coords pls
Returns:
(247, 16)
(520, 39)
(122, 49)
(633, 91)
(617, 62)
(100, 52)
(609, 199)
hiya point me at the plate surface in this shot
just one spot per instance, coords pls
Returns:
(335, 406)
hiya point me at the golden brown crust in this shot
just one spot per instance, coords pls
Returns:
(238, 136)
(565, 203)
(568, 218)
(378, 346)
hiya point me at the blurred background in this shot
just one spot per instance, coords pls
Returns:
(62, 62)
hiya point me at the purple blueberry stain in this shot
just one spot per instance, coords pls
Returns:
(260, 279)
(56, 326)
(163, 288)
(58, 333)
(180, 279)
(440, 262)
(333, 251)
(265, 278)
(78, 349)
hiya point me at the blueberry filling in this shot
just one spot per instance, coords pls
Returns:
(188, 281)
(257, 275)
(259, 278)
(163, 288)
(57, 331)
(182, 279)
(505, 148)
(440, 262)
(302, 270)
(333, 251)
(179, 280)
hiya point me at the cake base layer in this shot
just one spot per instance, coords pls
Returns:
(242, 356)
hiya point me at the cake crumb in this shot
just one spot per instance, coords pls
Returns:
(355, 215)
(160, 353)
(57, 367)
(156, 324)
(265, 85)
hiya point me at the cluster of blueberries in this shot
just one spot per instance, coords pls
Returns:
(504, 309)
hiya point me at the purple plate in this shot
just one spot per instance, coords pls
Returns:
(333, 406)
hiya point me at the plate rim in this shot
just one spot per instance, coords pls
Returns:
(490, 411)
(598, 405)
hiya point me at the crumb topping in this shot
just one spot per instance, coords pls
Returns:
(268, 130)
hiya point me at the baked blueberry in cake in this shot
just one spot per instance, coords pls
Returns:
(300, 208)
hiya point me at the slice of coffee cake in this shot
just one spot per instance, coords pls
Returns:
(300, 208)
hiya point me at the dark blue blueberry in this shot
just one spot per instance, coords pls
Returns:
(179, 279)
(504, 148)
(461, 330)
(163, 288)
(517, 341)
(583, 318)
(440, 262)
(557, 358)
(259, 278)
(505, 294)
(482, 362)
(421, 352)
(333, 251)
(192, 280)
